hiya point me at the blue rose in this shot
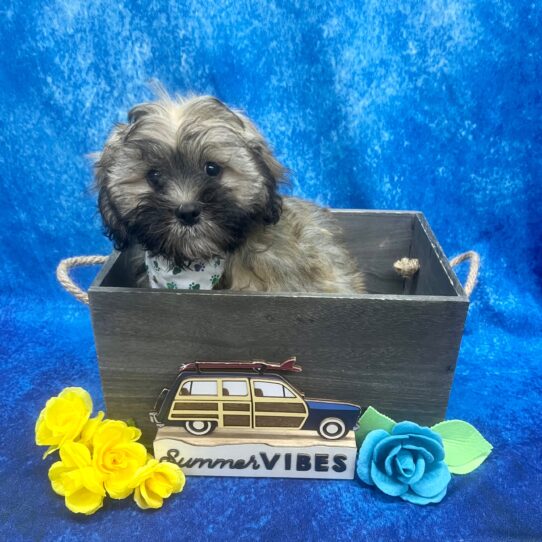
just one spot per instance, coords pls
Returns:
(407, 463)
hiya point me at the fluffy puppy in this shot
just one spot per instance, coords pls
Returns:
(189, 179)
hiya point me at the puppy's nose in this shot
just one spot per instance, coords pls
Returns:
(188, 213)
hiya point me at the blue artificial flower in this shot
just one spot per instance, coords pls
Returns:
(407, 463)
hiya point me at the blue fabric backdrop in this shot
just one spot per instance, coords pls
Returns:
(432, 105)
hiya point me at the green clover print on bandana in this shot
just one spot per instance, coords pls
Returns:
(186, 275)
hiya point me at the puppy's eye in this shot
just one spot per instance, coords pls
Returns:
(212, 169)
(154, 178)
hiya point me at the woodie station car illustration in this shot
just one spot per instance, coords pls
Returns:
(250, 395)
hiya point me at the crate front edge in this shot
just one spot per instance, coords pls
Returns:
(396, 353)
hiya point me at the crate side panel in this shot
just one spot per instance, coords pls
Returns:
(122, 269)
(396, 355)
(376, 241)
(434, 276)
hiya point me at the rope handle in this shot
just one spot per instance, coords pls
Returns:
(474, 268)
(405, 267)
(408, 267)
(63, 274)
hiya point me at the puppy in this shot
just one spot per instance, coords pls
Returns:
(193, 181)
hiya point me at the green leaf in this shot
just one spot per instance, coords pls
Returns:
(371, 420)
(470, 466)
(466, 449)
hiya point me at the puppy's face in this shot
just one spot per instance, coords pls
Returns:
(186, 179)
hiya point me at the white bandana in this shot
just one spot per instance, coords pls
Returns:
(192, 275)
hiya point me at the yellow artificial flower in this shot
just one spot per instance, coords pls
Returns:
(63, 418)
(117, 455)
(75, 478)
(87, 434)
(155, 482)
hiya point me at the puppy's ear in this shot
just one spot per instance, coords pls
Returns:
(114, 226)
(139, 111)
(274, 173)
(273, 209)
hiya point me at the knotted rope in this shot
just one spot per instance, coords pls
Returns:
(407, 267)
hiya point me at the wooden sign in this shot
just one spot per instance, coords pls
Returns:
(245, 419)
(258, 455)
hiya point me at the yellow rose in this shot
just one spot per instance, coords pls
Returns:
(75, 478)
(155, 482)
(87, 433)
(63, 418)
(117, 455)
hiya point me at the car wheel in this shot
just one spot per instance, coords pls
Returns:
(332, 428)
(197, 427)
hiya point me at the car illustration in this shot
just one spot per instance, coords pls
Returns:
(250, 395)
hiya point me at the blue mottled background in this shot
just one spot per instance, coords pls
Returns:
(432, 105)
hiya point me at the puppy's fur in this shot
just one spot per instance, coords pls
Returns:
(271, 242)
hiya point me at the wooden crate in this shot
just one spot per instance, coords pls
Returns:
(394, 348)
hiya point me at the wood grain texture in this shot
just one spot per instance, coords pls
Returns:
(236, 419)
(395, 352)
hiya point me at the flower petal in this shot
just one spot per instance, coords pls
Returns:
(49, 451)
(75, 455)
(77, 394)
(84, 501)
(405, 463)
(411, 428)
(416, 499)
(92, 480)
(388, 463)
(436, 478)
(140, 501)
(420, 451)
(160, 485)
(384, 448)
(118, 487)
(152, 499)
(386, 483)
(43, 433)
(72, 481)
(56, 471)
(365, 455)
(87, 433)
(173, 474)
(419, 471)
(431, 445)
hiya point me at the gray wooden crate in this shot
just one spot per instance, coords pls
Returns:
(394, 348)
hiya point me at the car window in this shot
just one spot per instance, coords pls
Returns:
(271, 389)
(185, 388)
(204, 387)
(234, 388)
